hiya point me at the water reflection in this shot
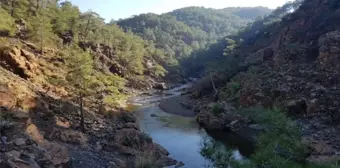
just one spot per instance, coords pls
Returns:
(181, 136)
(219, 155)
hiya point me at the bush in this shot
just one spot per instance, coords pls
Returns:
(7, 26)
(230, 91)
(217, 109)
(280, 146)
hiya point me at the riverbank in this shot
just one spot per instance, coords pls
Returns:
(179, 105)
(220, 118)
(172, 124)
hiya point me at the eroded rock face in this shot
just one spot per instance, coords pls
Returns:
(329, 50)
(12, 59)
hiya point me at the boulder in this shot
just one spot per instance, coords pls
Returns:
(12, 60)
(28, 55)
(55, 154)
(166, 161)
(8, 99)
(20, 115)
(210, 122)
(297, 107)
(19, 141)
(154, 115)
(16, 159)
(127, 117)
(131, 126)
(160, 86)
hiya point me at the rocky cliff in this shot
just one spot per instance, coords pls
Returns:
(292, 65)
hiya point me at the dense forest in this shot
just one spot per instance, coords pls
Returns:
(183, 32)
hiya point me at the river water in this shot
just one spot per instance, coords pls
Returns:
(181, 136)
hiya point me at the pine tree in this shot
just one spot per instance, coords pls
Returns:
(67, 19)
(41, 28)
(80, 76)
(16, 8)
(107, 89)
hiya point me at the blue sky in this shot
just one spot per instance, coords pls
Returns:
(115, 9)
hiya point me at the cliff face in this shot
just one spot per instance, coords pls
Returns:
(300, 63)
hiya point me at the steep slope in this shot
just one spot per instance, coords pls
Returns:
(288, 63)
(63, 75)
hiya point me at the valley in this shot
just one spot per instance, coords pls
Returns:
(196, 87)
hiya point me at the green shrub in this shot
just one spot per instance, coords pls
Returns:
(279, 147)
(230, 92)
(7, 26)
(217, 109)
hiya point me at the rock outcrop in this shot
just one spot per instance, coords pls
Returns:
(19, 61)
(329, 51)
(293, 65)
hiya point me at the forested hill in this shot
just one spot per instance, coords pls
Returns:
(185, 30)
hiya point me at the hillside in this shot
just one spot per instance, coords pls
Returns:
(184, 31)
(285, 64)
(64, 76)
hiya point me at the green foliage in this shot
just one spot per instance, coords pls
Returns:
(159, 71)
(220, 157)
(80, 73)
(7, 26)
(231, 44)
(16, 8)
(230, 92)
(217, 109)
(183, 32)
(40, 29)
(67, 19)
(108, 88)
(90, 25)
(280, 146)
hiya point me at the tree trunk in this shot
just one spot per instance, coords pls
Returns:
(101, 103)
(214, 87)
(37, 7)
(86, 28)
(12, 6)
(41, 44)
(82, 123)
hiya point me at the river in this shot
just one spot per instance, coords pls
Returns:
(181, 136)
